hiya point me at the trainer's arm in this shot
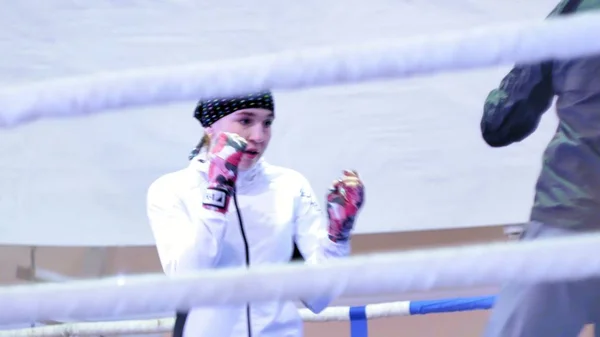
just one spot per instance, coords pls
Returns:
(513, 111)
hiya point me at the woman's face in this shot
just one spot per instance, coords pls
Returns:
(254, 125)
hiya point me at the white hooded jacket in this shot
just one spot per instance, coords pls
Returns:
(278, 208)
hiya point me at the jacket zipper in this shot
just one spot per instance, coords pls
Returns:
(247, 255)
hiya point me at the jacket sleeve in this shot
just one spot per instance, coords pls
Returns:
(312, 238)
(184, 243)
(513, 111)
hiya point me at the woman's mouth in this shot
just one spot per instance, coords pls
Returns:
(251, 154)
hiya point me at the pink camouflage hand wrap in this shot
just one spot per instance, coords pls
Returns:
(344, 201)
(225, 156)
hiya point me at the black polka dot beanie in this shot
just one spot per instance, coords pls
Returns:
(211, 110)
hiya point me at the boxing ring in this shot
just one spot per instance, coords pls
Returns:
(368, 275)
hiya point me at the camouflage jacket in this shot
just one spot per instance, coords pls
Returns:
(568, 188)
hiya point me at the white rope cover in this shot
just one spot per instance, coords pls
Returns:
(163, 325)
(137, 327)
(379, 310)
(561, 37)
(378, 274)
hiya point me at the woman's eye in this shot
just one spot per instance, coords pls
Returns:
(245, 121)
(268, 123)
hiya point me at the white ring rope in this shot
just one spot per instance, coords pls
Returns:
(162, 325)
(571, 258)
(330, 314)
(556, 38)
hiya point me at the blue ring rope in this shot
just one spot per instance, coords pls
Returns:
(358, 315)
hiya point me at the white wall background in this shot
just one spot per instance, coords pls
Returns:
(415, 142)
